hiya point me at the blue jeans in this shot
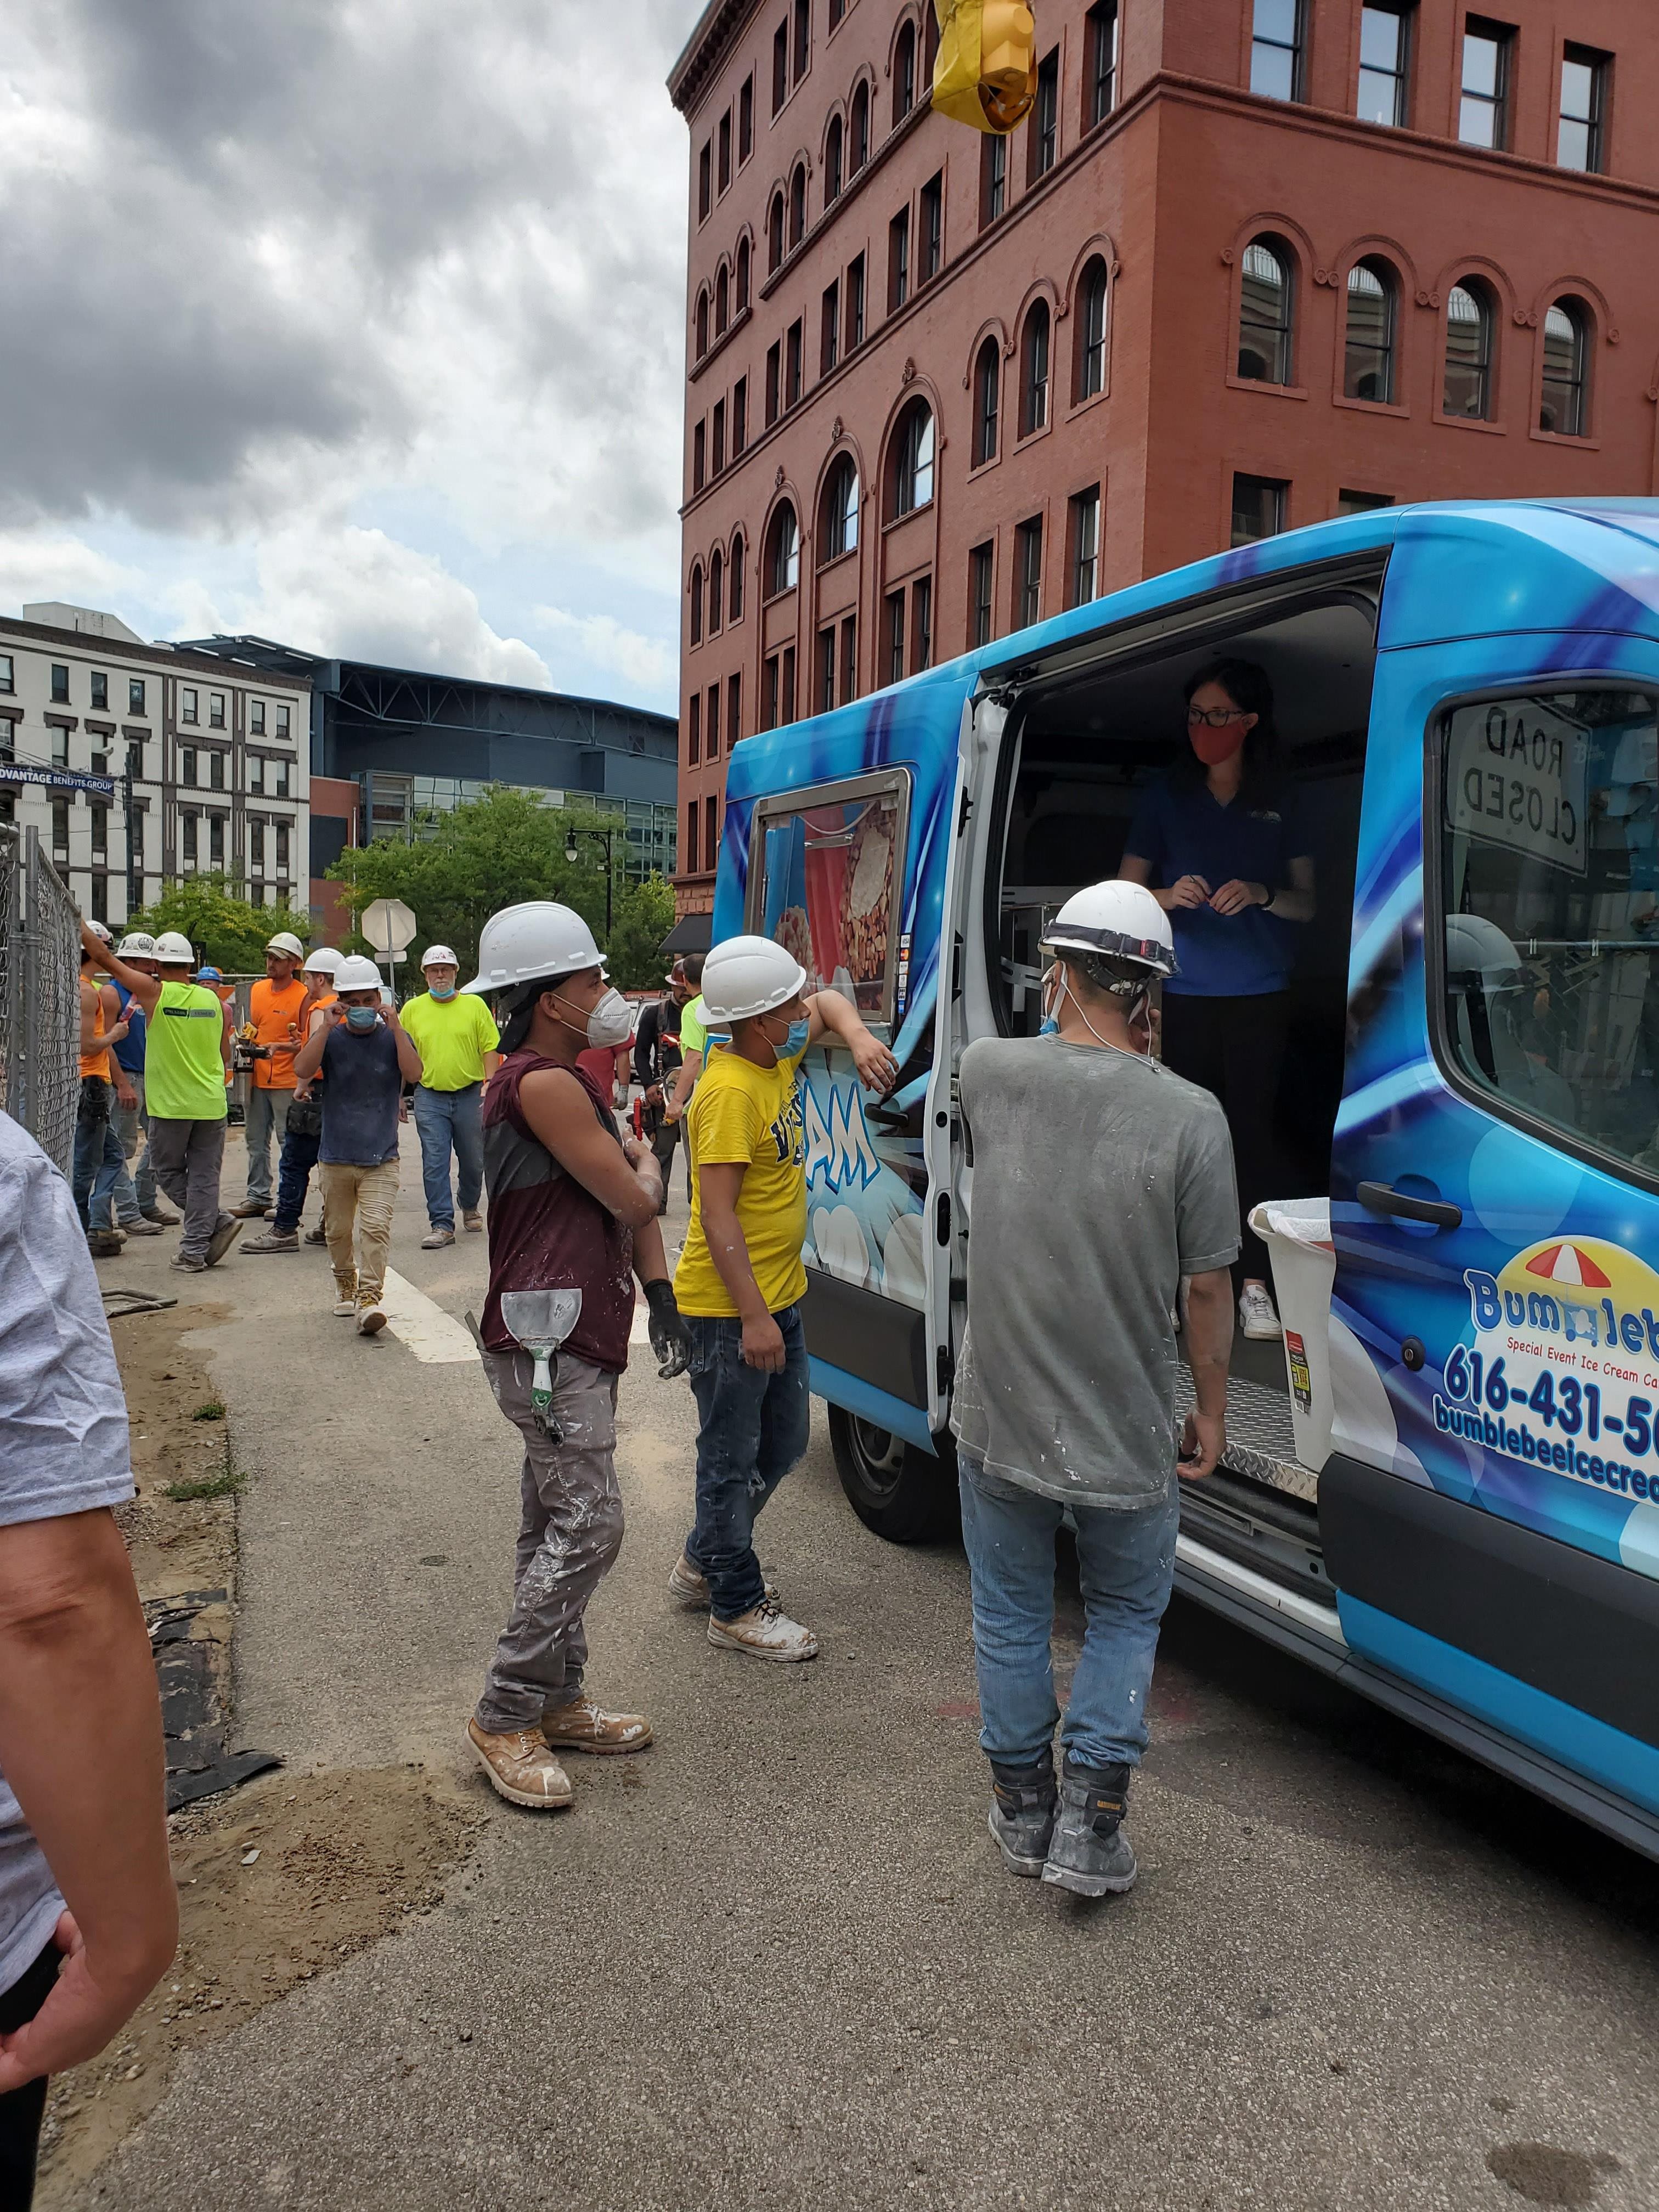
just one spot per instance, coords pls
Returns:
(135, 1191)
(752, 1427)
(99, 1159)
(444, 1118)
(1125, 1563)
(298, 1157)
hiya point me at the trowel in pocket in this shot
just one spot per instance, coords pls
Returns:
(540, 1321)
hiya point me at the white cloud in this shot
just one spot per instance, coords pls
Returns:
(49, 564)
(647, 663)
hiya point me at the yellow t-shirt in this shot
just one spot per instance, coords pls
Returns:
(748, 1116)
(452, 1036)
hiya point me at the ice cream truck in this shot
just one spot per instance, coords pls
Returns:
(1466, 697)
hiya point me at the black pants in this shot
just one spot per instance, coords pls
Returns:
(663, 1135)
(20, 2112)
(1236, 1048)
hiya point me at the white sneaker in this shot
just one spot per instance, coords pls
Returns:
(371, 1318)
(1257, 1316)
(765, 1633)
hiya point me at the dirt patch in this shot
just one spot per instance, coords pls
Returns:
(1544, 2174)
(176, 1544)
(339, 1859)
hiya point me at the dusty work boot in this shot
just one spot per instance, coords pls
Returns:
(316, 1236)
(436, 1239)
(161, 1217)
(691, 1588)
(187, 1263)
(371, 1314)
(223, 1238)
(1024, 1804)
(765, 1632)
(581, 1726)
(136, 1225)
(106, 1244)
(471, 1217)
(252, 1209)
(1089, 1853)
(521, 1768)
(274, 1240)
(345, 1296)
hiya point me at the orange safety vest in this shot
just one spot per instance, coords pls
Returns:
(273, 1008)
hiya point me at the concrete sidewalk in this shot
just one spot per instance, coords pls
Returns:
(774, 1962)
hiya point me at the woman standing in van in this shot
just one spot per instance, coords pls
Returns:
(1220, 845)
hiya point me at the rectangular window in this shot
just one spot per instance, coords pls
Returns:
(794, 347)
(282, 721)
(1384, 66)
(774, 381)
(855, 305)
(849, 659)
(803, 37)
(1277, 33)
(826, 669)
(256, 774)
(99, 764)
(100, 690)
(256, 717)
(136, 695)
(187, 833)
(788, 707)
(187, 767)
(769, 697)
(699, 454)
(992, 179)
(1258, 508)
(1100, 64)
(280, 785)
(745, 120)
(1043, 142)
(59, 684)
(187, 706)
(215, 840)
(780, 66)
(981, 569)
(717, 458)
(838, 9)
(59, 748)
(60, 829)
(733, 710)
(1084, 523)
(739, 415)
(830, 880)
(8, 681)
(712, 731)
(895, 636)
(829, 330)
(1028, 571)
(100, 898)
(693, 812)
(215, 710)
(922, 623)
(135, 760)
(932, 227)
(1362, 502)
(1483, 106)
(256, 849)
(694, 730)
(1580, 135)
(724, 161)
(99, 833)
(898, 260)
(215, 771)
(711, 834)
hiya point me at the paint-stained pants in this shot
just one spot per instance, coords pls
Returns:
(570, 1531)
(188, 1156)
(359, 1199)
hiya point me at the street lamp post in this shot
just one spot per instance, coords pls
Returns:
(607, 838)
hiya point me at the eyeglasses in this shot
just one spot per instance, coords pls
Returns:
(1213, 718)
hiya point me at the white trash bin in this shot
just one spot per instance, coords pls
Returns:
(1298, 1234)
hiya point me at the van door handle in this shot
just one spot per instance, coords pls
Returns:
(1381, 1197)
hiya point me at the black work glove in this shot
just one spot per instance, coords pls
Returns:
(671, 1339)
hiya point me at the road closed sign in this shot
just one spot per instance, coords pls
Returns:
(1516, 773)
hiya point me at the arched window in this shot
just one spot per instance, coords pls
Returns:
(1033, 372)
(1367, 357)
(987, 400)
(702, 324)
(1092, 330)
(722, 299)
(913, 459)
(832, 161)
(734, 589)
(838, 513)
(904, 74)
(798, 206)
(1265, 306)
(1469, 352)
(742, 275)
(696, 603)
(782, 552)
(1563, 405)
(716, 591)
(774, 234)
(860, 129)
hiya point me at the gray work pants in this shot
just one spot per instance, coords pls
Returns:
(187, 1157)
(570, 1531)
(135, 1186)
(267, 1115)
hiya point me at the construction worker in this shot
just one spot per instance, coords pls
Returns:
(273, 1008)
(187, 1052)
(658, 1057)
(138, 1208)
(457, 1042)
(1100, 1180)
(302, 1131)
(572, 1207)
(740, 1281)
(98, 1155)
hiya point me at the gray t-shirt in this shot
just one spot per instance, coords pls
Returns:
(1100, 1179)
(63, 1445)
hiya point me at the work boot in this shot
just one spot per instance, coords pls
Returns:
(437, 1239)
(581, 1726)
(274, 1240)
(223, 1238)
(1024, 1802)
(187, 1263)
(252, 1209)
(345, 1295)
(106, 1244)
(471, 1217)
(691, 1588)
(316, 1236)
(159, 1214)
(1090, 1854)
(137, 1226)
(521, 1768)
(371, 1315)
(765, 1633)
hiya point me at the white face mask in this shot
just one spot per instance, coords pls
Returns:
(610, 1024)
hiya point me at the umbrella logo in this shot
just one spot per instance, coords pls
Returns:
(1569, 1264)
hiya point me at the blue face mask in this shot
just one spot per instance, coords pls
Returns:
(361, 1017)
(1050, 1027)
(434, 991)
(795, 1042)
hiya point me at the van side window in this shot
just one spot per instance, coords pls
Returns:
(1549, 881)
(826, 878)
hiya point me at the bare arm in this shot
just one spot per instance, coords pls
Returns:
(832, 1015)
(1188, 891)
(80, 1744)
(115, 1026)
(628, 1182)
(1209, 1353)
(1292, 902)
(718, 1189)
(147, 989)
(409, 1057)
(309, 1057)
(88, 1016)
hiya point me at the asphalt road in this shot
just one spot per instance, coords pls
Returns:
(774, 1962)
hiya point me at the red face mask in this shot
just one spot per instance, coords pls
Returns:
(1214, 746)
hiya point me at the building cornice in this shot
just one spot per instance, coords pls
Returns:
(719, 27)
(162, 660)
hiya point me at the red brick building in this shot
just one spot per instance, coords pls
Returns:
(1247, 264)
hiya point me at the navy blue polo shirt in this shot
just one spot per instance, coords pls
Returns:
(1179, 830)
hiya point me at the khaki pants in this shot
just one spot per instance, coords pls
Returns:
(361, 1199)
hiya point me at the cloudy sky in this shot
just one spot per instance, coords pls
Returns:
(356, 323)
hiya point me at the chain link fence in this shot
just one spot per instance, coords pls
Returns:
(40, 996)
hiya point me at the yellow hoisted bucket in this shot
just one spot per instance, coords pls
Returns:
(984, 72)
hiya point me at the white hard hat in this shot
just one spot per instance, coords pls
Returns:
(438, 956)
(1478, 949)
(522, 943)
(98, 931)
(356, 973)
(1121, 920)
(137, 945)
(173, 950)
(324, 961)
(286, 941)
(748, 975)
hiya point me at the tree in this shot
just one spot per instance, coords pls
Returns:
(228, 931)
(644, 916)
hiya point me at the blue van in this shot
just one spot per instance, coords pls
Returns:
(1468, 697)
